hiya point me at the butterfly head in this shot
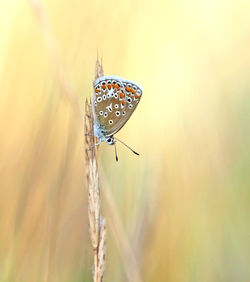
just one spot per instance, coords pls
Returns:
(110, 140)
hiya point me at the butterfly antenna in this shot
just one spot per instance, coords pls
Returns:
(116, 156)
(127, 146)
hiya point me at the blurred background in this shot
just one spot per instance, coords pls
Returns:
(184, 203)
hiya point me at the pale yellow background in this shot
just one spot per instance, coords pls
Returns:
(184, 203)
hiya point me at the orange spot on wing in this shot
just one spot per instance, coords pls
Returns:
(123, 102)
(136, 96)
(97, 90)
(103, 87)
(133, 91)
(113, 85)
(121, 95)
(128, 89)
(118, 87)
(109, 86)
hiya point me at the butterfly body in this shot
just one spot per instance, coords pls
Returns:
(115, 100)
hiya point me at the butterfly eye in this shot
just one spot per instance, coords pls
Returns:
(110, 141)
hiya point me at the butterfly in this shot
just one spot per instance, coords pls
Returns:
(115, 100)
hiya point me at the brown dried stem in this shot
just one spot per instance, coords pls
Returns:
(97, 225)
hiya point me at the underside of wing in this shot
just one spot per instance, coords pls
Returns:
(115, 100)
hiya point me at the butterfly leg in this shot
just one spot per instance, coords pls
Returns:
(93, 146)
(99, 142)
(89, 116)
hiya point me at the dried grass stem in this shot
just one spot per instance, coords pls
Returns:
(97, 225)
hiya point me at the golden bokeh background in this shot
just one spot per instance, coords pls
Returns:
(184, 203)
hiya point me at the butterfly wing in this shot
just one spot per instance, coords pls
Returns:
(115, 100)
